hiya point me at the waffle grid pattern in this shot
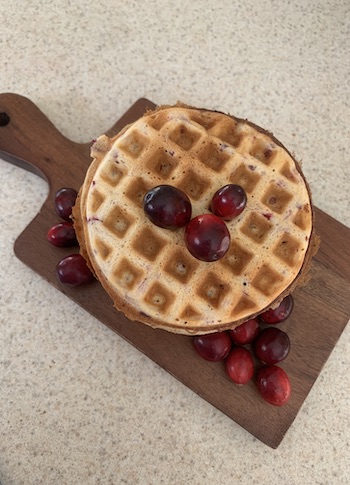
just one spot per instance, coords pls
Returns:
(149, 268)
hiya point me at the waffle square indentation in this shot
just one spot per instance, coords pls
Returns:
(265, 152)
(189, 313)
(236, 258)
(214, 156)
(148, 244)
(302, 217)
(228, 132)
(194, 185)
(276, 198)
(212, 290)
(137, 190)
(163, 163)
(118, 221)
(244, 306)
(102, 248)
(112, 174)
(245, 176)
(133, 144)
(97, 199)
(287, 249)
(256, 227)
(267, 280)
(181, 266)
(204, 119)
(290, 173)
(158, 120)
(127, 274)
(184, 136)
(160, 297)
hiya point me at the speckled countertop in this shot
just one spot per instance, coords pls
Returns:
(79, 405)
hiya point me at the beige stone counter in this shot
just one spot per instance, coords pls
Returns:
(79, 405)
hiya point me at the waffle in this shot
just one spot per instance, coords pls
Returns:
(147, 270)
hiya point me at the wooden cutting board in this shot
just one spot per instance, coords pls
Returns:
(321, 311)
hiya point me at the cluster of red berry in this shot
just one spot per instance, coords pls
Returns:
(253, 340)
(72, 269)
(206, 236)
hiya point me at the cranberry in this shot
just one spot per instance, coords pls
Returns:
(214, 346)
(273, 385)
(229, 201)
(280, 313)
(246, 332)
(73, 270)
(64, 202)
(167, 207)
(239, 365)
(272, 346)
(207, 237)
(62, 235)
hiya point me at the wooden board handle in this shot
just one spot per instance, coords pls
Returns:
(25, 135)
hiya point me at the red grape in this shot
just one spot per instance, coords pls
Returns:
(167, 206)
(246, 332)
(273, 385)
(229, 201)
(279, 314)
(73, 270)
(214, 346)
(207, 237)
(62, 235)
(272, 346)
(64, 202)
(239, 365)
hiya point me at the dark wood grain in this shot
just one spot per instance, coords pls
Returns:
(322, 307)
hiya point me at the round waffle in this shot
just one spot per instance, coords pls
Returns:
(147, 270)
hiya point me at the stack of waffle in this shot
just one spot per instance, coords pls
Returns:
(147, 270)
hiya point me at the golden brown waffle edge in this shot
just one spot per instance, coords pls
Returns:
(213, 290)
